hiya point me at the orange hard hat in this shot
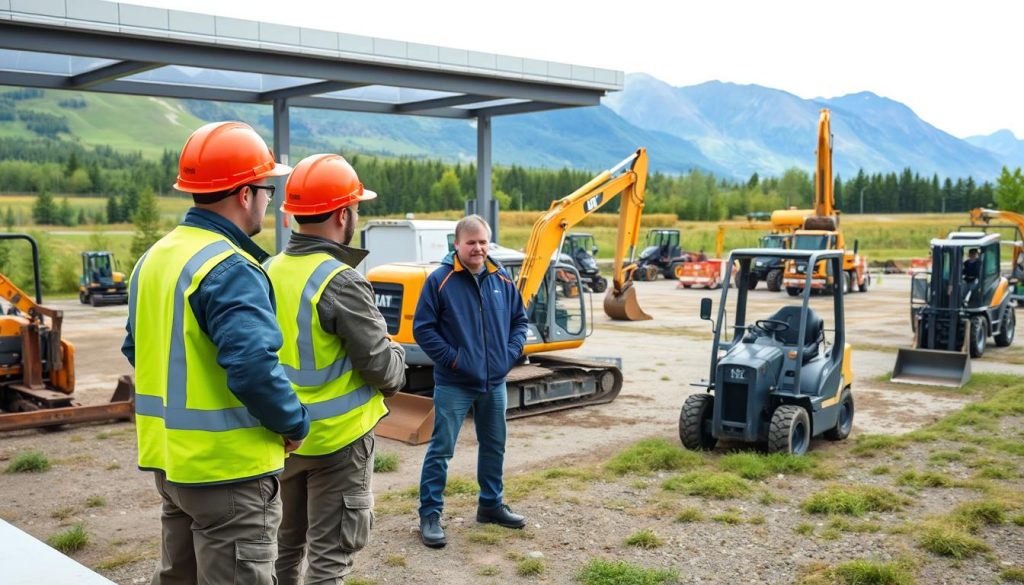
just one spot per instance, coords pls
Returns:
(224, 155)
(323, 183)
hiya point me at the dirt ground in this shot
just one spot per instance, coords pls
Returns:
(661, 357)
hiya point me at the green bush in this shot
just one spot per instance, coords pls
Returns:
(30, 461)
(71, 540)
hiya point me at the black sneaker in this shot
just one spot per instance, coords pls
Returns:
(431, 532)
(502, 516)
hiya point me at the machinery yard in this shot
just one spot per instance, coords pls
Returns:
(584, 512)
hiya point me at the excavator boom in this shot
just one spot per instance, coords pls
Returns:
(628, 178)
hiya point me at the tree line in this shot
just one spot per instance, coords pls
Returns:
(412, 185)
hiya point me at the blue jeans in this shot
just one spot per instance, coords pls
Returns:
(450, 407)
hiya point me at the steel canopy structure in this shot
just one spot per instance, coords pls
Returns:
(100, 46)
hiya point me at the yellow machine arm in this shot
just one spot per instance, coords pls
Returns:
(982, 215)
(824, 198)
(549, 231)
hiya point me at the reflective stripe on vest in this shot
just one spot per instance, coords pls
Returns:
(190, 425)
(341, 407)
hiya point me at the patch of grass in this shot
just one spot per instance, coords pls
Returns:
(119, 560)
(853, 501)
(756, 466)
(728, 518)
(825, 471)
(947, 540)
(1018, 520)
(569, 473)
(665, 378)
(112, 466)
(880, 470)
(652, 455)
(844, 525)
(488, 571)
(862, 572)
(385, 462)
(945, 457)
(757, 519)
(644, 539)
(689, 515)
(492, 534)
(29, 462)
(103, 435)
(720, 486)
(458, 486)
(769, 497)
(973, 515)
(1012, 575)
(359, 581)
(997, 471)
(63, 513)
(95, 501)
(71, 540)
(924, 479)
(804, 528)
(395, 561)
(968, 449)
(602, 572)
(530, 567)
(871, 445)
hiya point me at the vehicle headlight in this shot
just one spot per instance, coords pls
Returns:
(759, 263)
(801, 269)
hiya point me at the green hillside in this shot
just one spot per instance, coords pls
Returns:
(126, 123)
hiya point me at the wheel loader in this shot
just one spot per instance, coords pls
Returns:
(101, 282)
(775, 380)
(955, 308)
(37, 366)
(557, 320)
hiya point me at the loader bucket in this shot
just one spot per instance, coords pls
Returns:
(933, 367)
(411, 419)
(623, 306)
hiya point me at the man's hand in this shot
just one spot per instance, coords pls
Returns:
(290, 445)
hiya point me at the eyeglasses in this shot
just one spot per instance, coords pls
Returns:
(268, 188)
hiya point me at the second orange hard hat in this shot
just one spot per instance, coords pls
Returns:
(322, 183)
(224, 155)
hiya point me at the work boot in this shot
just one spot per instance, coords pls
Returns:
(502, 516)
(431, 532)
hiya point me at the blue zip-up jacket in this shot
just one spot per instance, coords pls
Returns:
(472, 328)
(234, 306)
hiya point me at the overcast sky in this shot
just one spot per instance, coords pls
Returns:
(957, 64)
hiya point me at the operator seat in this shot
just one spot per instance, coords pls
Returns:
(813, 336)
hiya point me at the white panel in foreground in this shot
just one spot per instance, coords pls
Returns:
(27, 561)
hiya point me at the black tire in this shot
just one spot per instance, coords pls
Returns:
(848, 283)
(790, 430)
(599, 284)
(687, 285)
(792, 291)
(979, 337)
(863, 286)
(674, 270)
(694, 422)
(844, 422)
(94, 300)
(83, 298)
(652, 273)
(1009, 328)
(774, 280)
(751, 281)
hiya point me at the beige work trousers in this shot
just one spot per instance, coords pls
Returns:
(219, 535)
(328, 513)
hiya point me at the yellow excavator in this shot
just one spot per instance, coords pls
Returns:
(820, 230)
(557, 314)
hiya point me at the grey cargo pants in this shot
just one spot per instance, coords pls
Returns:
(220, 534)
(328, 512)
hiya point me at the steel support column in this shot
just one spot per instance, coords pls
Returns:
(483, 174)
(281, 151)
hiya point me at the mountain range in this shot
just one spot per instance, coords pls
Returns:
(728, 129)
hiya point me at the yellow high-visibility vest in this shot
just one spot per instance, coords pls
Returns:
(189, 424)
(342, 407)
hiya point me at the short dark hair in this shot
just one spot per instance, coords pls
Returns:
(311, 219)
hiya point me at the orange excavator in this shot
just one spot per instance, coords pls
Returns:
(558, 316)
(37, 366)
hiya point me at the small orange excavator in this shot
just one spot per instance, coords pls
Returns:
(37, 366)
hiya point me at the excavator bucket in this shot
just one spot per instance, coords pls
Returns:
(933, 367)
(623, 306)
(411, 419)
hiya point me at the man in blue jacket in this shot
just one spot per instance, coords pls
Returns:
(470, 321)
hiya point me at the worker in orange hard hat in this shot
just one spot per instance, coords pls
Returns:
(341, 363)
(215, 413)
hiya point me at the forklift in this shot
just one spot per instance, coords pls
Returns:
(579, 250)
(101, 282)
(780, 380)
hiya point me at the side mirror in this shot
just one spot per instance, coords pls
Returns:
(594, 250)
(856, 246)
(705, 309)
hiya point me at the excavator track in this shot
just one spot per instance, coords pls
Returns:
(550, 383)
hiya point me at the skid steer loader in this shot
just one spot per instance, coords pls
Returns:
(954, 309)
(779, 380)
